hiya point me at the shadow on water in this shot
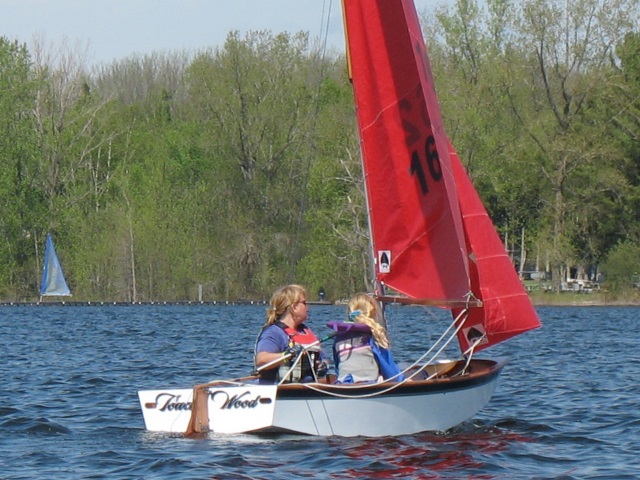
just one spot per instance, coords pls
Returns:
(473, 449)
(460, 451)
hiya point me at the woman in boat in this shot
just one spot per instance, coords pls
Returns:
(285, 333)
(361, 348)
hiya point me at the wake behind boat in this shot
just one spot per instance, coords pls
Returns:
(432, 243)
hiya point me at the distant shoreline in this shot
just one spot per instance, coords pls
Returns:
(587, 303)
(65, 303)
(543, 300)
(599, 299)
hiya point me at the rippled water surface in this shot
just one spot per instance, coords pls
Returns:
(567, 405)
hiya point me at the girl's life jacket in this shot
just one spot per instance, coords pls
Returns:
(353, 355)
(358, 358)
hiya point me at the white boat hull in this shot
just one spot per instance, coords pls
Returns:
(385, 409)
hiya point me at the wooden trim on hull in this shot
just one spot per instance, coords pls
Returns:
(480, 372)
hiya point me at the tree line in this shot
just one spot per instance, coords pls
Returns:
(223, 173)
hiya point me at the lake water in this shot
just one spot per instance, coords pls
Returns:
(567, 405)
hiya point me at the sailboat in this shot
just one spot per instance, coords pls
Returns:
(432, 243)
(53, 283)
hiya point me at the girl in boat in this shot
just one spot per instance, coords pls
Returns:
(285, 333)
(361, 348)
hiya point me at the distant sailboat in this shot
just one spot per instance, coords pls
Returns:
(53, 283)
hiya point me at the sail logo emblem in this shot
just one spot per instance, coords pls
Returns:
(384, 261)
(475, 335)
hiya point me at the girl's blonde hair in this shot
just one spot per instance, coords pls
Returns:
(283, 298)
(366, 310)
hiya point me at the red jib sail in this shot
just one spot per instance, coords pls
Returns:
(417, 236)
(506, 308)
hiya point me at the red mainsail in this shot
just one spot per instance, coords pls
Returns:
(431, 235)
(417, 235)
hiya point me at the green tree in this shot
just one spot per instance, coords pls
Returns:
(621, 268)
(23, 207)
(471, 47)
(542, 73)
(256, 99)
(337, 245)
(568, 64)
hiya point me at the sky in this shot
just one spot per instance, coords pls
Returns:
(108, 30)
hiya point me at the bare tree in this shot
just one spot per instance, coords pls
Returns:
(73, 141)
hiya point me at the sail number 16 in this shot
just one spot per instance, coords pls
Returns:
(430, 164)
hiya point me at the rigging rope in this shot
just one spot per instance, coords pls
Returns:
(419, 361)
